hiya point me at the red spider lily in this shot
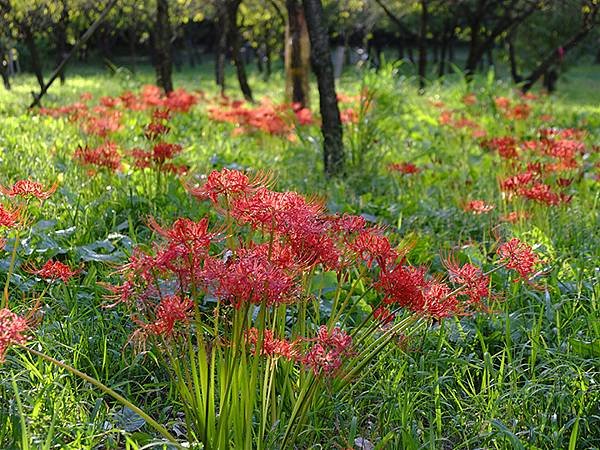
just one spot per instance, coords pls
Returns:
(517, 183)
(180, 100)
(12, 328)
(103, 124)
(404, 167)
(519, 256)
(109, 102)
(505, 146)
(348, 223)
(514, 216)
(270, 346)
(348, 116)
(383, 315)
(105, 155)
(543, 193)
(86, 96)
(226, 183)
(439, 300)
(304, 116)
(474, 283)
(9, 218)
(163, 151)
(28, 189)
(403, 286)
(326, 354)
(469, 99)
(55, 270)
(478, 207)
(171, 310)
(250, 277)
(154, 130)
(518, 112)
(502, 103)
(371, 246)
(186, 232)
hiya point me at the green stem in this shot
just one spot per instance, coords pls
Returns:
(153, 423)
(13, 257)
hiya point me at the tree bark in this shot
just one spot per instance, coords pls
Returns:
(221, 53)
(423, 45)
(512, 57)
(36, 64)
(331, 127)
(82, 40)
(297, 55)
(552, 58)
(61, 37)
(234, 41)
(4, 62)
(162, 47)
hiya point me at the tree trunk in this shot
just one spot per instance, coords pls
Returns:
(221, 53)
(131, 40)
(553, 57)
(36, 65)
(61, 38)
(475, 54)
(4, 62)
(234, 41)
(162, 47)
(297, 55)
(423, 45)
(512, 57)
(331, 127)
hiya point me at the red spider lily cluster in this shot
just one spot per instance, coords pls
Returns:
(104, 156)
(405, 168)
(54, 270)
(519, 111)
(518, 256)
(266, 117)
(261, 254)
(29, 189)
(12, 329)
(478, 207)
(160, 156)
(543, 168)
(458, 121)
(106, 118)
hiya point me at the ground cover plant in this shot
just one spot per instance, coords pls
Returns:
(184, 253)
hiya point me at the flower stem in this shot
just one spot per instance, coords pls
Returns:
(153, 423)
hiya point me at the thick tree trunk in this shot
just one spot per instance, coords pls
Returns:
(36, 64)
(333, 147)
(297, 55)
(234, 41)
(423, 45)
(162, 47)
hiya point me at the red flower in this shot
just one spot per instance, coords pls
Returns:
(478, 207)
(8, 218)
(55, 270)
(12, 327)
(371, 246)
(519, 256)
(327, 353)
(404, 167)
(403, 286)
(163, 151)
(269, 345)
(27, 189)
(474, 284)
(186, 232)
(439, 301)
(106, 155)
(170, 310)
(154, 130)
(226, 182)
(383, 315)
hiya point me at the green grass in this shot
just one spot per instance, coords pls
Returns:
(526, 375)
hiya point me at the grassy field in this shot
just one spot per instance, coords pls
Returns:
(523, 373)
